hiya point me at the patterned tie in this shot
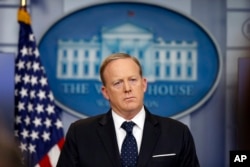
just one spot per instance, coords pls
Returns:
(129, 152)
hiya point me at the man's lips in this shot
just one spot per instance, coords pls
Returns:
(129, 98)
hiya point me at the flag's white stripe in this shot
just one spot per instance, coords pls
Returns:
(37, 165)
(53, 155)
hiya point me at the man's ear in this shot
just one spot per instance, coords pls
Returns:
(145, 84)
(105, 93)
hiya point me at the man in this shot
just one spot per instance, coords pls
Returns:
(99, 141)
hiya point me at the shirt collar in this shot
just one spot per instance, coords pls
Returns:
(138, 119)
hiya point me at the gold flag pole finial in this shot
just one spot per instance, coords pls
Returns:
(23, 3)
(23, 15)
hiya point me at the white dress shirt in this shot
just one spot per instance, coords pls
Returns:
(139, 120)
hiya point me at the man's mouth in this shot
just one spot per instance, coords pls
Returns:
(129, 98)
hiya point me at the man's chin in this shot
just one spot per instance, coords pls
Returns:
(132, 108)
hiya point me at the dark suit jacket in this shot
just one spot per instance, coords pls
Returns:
(91, 142)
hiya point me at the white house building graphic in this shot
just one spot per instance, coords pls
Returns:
(161, 60)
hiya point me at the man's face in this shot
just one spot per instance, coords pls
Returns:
(124, 86)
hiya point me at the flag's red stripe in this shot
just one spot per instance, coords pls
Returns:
(60, 143)
(45, 162)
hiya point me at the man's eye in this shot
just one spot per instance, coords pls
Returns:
(133, 80)
(117, 83)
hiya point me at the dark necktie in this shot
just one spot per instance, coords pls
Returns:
(129, 152)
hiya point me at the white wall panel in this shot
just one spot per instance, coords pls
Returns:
(9, 26)
(238, 4)
(9, 2)
(236, 21)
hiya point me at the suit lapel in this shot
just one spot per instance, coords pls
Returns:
(106, 132)
(150, 137)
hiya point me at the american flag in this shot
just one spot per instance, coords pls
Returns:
(38, 126)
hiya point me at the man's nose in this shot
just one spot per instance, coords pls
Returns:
(127, 86)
